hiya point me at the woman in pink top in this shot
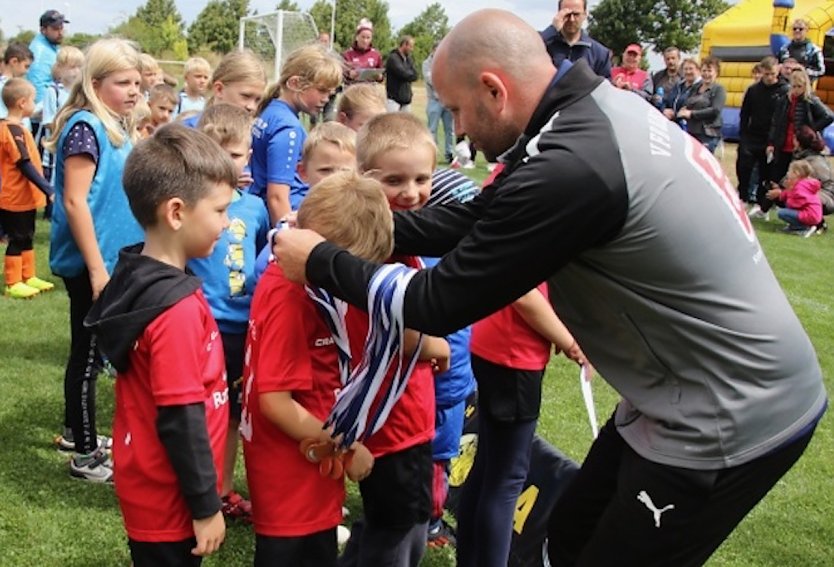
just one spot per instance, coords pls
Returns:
(510, 350)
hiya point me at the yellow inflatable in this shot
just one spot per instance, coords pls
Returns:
(753, 29)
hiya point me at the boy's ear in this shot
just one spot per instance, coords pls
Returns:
(301, 169)
(171, 212)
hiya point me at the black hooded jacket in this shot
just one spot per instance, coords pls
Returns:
(140, 289)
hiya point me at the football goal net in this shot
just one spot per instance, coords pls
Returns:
(275, 35)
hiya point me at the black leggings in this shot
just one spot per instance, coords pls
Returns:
(20, 228)
(82, 367)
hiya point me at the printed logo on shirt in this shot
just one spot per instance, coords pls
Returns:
(212, 339)
(220, 398)
(323, 342)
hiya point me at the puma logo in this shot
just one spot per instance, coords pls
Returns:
(646, 499)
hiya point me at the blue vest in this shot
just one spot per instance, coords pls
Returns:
(113, 221)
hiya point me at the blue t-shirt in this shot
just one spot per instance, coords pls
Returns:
(229, 273)
(192, 120)
(277, 140)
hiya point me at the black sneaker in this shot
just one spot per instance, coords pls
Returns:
(441, 535)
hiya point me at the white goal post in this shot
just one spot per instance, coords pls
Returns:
(275, 35)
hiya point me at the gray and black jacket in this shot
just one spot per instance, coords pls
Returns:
(679, 311)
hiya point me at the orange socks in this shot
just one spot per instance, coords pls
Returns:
(13, 270)
(28, 264)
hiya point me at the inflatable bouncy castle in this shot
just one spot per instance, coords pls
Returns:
(753, 29)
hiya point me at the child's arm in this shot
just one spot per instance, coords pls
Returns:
(28, 169)
(277, 201)
(434, 348)
(183, 432)
(78, 177)
(537, 312)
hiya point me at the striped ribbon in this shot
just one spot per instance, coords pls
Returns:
(351, 418)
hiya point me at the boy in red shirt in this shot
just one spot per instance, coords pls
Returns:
(398, 151)
(291, 381)
(154, 324)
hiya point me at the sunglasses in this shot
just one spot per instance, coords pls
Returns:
(799, 29)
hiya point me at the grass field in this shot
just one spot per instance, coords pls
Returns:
(47, 519)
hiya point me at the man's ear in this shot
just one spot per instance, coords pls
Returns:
(172, 212)
(495, 87)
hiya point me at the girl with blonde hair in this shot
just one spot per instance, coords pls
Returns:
(93, 135)
(309, 76)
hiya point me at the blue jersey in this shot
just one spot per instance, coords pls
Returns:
(192, 120)
(229, 273)
(114, 224)
(277, 140)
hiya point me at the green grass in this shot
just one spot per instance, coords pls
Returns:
(47, 519)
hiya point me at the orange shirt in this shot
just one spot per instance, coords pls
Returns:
(17, 193)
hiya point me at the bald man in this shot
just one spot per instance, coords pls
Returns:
(681, 313)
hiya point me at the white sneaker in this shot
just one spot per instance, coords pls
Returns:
(808, 231)
(95, 467)
(756, 212)
(462, 151)
(342, 535)
(469, 165)
(66, 443)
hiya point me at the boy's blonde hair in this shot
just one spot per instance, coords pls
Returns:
(352, 212)
(104, 57)
(68, 57)
(801, 168)
(194, 64)
(16, 89)
(314, 66)
(329, 133)
(148, 63)
(362, 97)
(176, 161)
(391, 131)
(162, 92)
(226, 124)
(238, 67)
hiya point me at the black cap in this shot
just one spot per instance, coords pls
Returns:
(52, 18)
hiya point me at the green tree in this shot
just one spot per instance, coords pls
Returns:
(288, 6)
(162, 40)
(81, 40)
(156, 13)
(348, 14)
(216, 27)
(23, 36)
(655, 23)
(429, 27)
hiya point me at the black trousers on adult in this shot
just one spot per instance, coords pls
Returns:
(20, 229)
(750, 156)
(624, 510)
(82, 367)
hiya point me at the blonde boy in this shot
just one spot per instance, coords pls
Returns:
(197, 72)
(23, 183)
(229, 278)
(162, 101)
(329, 148)
(151, 73)
(359, 103)
(291, 379)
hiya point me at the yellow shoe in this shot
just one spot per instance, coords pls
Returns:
(21, 291)
(39, 284)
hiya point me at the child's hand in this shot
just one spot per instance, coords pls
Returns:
(360, 464)
(245, 179)
(98, 279)
(774, 194)
(440, 364)
(210, 533)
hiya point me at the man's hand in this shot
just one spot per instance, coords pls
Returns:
(291, 248)
(360, 464)
(559, 19)
(210, 533)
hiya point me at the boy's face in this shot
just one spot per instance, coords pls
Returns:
(150, 78)
(326, 159)
(358, 119)
(239, 152)
(19, 67)
(405, 176)
(161, 111)
(196, 82)
(205, 221)
(27, 105)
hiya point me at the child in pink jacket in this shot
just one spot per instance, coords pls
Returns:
(803, 209)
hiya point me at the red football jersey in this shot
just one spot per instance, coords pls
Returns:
(289, 348)
(177, 360)
(504, 338)
(411, 421)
